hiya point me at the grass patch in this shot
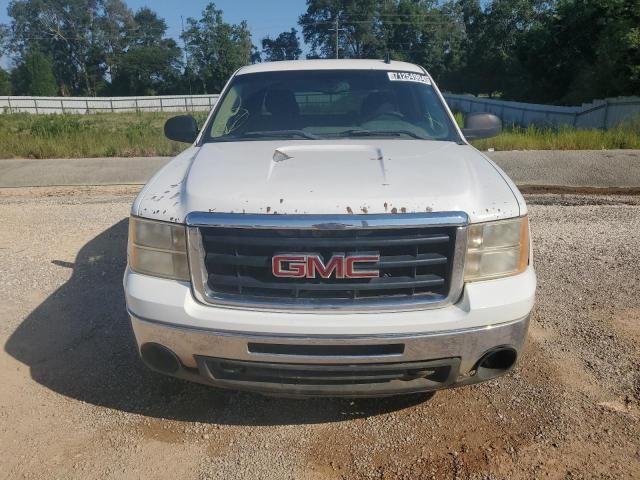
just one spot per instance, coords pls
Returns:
(24, 135)
(459, 118)
(626, 135)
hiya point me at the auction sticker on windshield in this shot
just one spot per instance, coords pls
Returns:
(408, 77)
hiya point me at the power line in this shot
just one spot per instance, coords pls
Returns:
(358, 22)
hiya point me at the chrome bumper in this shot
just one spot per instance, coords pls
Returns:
(219, 358)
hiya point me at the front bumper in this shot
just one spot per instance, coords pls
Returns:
(291, 352)
(333, 366)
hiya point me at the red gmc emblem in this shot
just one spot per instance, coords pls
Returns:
(312, 266)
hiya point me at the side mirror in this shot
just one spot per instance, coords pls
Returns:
(182, 128)
(481, 125)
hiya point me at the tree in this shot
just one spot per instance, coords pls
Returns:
(586, 49)
(5, 77)
(285, 46)
(547, 51)
(256, 55)
(5, 82)
(492, 38)
(66, 31)
(34, 76)
(149, 29)
(215, 48)
(5, 35)
(470, 76)
(147, 70)
(356, 20)
(115, 27)
(97, 45)
(427, 32)
(151, 64)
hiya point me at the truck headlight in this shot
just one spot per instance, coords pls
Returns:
(497, 249)
(158, 249)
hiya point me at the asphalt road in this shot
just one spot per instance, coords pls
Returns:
(77, 403)
(575, 169)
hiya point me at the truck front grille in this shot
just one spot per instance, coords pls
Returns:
(415, 263)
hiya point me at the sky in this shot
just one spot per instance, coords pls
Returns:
(264, 17)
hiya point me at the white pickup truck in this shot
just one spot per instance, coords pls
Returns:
(330, 232)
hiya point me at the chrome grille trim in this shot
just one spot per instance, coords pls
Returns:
(205, 295)
(327, 222)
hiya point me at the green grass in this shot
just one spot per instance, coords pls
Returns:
(140, 134)
(626, 135)
(459, 119)
(23, 135)
(564, 138)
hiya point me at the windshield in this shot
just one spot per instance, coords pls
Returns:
(330, 104)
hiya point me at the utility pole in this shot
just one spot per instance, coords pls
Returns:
(337, 30)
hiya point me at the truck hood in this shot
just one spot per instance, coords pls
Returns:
(336, 177)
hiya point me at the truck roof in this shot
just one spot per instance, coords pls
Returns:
(346, 64)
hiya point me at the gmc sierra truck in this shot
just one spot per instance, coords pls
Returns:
(330, 232)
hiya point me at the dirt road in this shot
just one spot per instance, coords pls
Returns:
(75, 402)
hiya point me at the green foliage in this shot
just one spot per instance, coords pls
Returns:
(5, 36)
(56, 126)
(459, 118)
(34, 76)
(429, 33)
(152, 64)
(426, 33)
(215, 49)
(285, 46)
(462, 45)
(97, 46)
(147, 70)
(68, 32)
(583, 49)
(558, 51)
(357, 19)
(149, 28)
(115, 28)
(542, 51)
(626, 135)
(491, 36)
(25, 135)
(5, 82)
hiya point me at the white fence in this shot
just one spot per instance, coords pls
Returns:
(168, 103)
(597, 114)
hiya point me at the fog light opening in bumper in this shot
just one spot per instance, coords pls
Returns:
(160, 358)
(495, 362)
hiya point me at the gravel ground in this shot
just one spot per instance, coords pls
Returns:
(75, 401)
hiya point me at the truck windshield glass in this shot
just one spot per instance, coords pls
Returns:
(311, 105)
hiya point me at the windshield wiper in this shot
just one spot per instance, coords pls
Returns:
(281, 133)
(379, 133)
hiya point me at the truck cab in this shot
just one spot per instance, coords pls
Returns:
(330, 232)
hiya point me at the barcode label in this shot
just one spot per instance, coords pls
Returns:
(408, 77)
